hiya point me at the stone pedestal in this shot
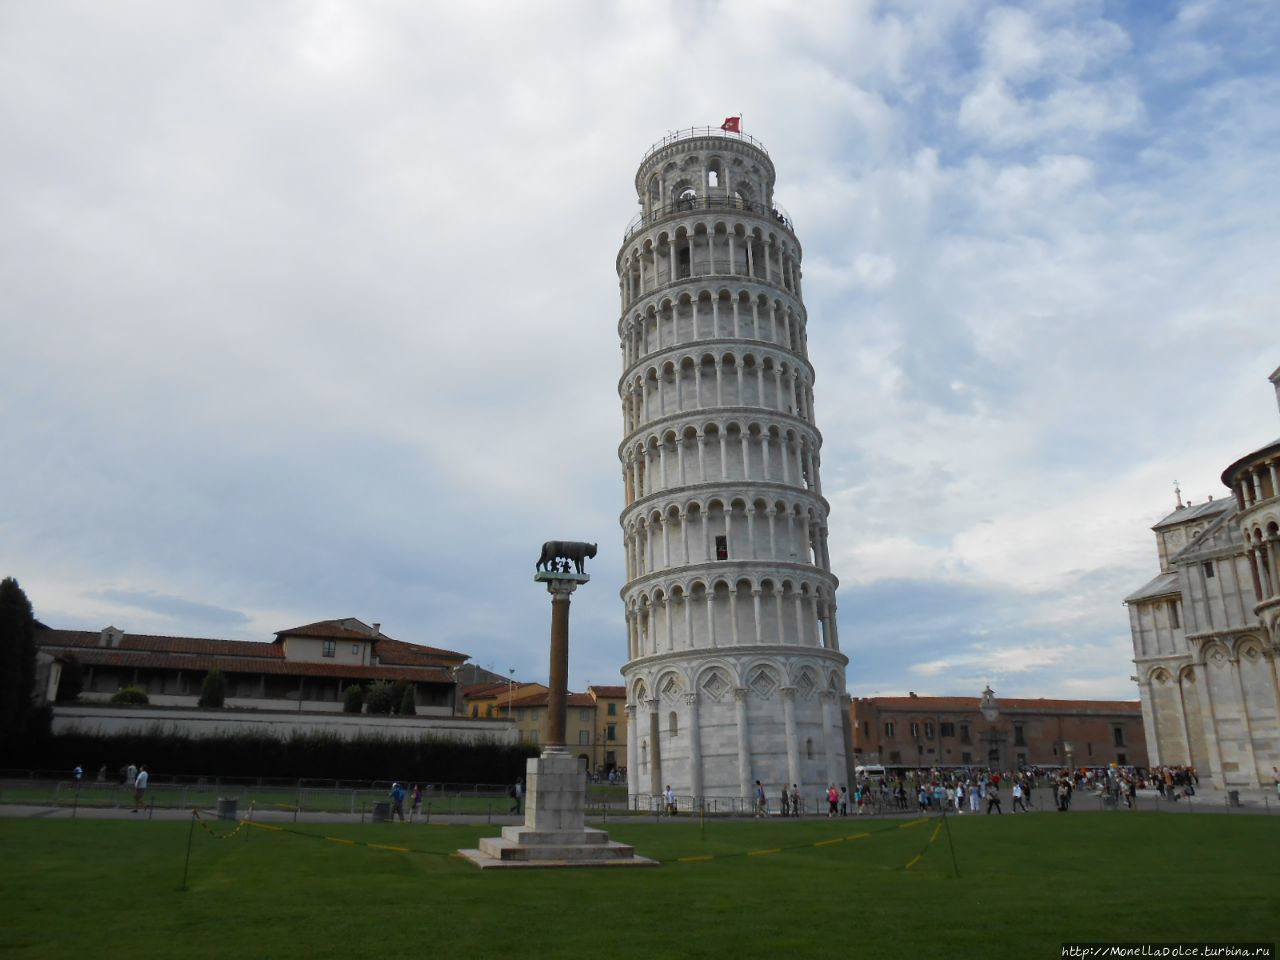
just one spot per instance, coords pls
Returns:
(554, 833)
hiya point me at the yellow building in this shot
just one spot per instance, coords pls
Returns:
(595, 721)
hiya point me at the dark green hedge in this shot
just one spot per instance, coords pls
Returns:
(314, 756)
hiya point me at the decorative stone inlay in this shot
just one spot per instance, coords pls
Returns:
(762, 683)
(715, 686)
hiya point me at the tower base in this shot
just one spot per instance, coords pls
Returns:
(554, 832)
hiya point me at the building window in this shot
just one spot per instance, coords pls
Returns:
(1118, 732)
(584, 715)
(355, 649)
(673, 724)
(1090, 746)
(947, 729)
(532, 736)
(1122, 760)
(1019, 737)
(966, 758)
(964, 733)
(895, 756)
(1174, 620)
(722, 548)
(519, 713)
(584, 738)
(915, 730)
(475, 711)
(808, 748)
(866, 729)
(613, 710)
(1022, 760)
(1207, 566)
(610, 758)
(928, 730)
(611, 732)
(330, 648)
(888, 728)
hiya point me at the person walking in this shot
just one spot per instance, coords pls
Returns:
(795, 800)
(140, 782)
(517, 797)
(786, 802)
(1017, 798)
(993, 798)
(762, 805)
(669, 796)
(397, 801)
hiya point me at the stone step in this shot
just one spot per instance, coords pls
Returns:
(503, 849)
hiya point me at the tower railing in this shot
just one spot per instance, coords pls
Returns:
(690, 204)
(690, 133)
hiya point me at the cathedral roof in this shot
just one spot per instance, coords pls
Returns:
(1161, 586)
(1199, 511)
(1262, 453)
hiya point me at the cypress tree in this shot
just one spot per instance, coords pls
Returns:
(17, 660)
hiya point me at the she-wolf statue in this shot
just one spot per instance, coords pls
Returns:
(574, 550)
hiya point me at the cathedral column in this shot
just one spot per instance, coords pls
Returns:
(799, 617)
(697, 384)
(666, 541)
(745, 442)
(687, 602)
(684, 537)
(702, 459)
(744, 745)
(711, 615)
(793, 747)
(1244, 719)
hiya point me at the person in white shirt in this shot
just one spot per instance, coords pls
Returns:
(140, 788)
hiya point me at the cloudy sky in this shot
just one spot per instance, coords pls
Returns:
(309, 309)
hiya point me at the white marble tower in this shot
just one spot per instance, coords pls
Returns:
(734, 672)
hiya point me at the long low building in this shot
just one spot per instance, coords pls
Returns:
(305, 668)
(1005, 734)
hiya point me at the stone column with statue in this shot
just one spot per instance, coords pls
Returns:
(554, 832)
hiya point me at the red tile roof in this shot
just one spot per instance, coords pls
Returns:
(103, 657)
(80, 639)
(417, 654)
(970, 704)
(609, 693)
(326, 629)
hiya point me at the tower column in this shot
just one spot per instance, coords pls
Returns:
(695, 745)
(655, 750)
(744, 743)
(789, 722)
(829, 722)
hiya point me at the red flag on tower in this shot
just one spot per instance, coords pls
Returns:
(732, 124)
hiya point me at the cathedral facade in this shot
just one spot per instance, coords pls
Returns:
(1206, 630)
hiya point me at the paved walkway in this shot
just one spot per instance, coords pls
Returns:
(1206, 800)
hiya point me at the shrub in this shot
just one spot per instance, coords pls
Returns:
(213, 693)
(353, 699)
(134, 696)
(407, 705)
(379, 698)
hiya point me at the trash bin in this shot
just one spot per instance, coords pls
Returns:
(227, 808)
(1233, 798)
(382, 811)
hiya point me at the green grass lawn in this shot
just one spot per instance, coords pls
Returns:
(107, 888)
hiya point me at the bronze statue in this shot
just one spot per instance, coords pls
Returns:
(575, 550)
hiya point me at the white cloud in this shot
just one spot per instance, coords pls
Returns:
(310, 310)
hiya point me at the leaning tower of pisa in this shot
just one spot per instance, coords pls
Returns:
(734, 672)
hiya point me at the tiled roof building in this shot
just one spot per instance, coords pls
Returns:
(917, 731)
(304, 668)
